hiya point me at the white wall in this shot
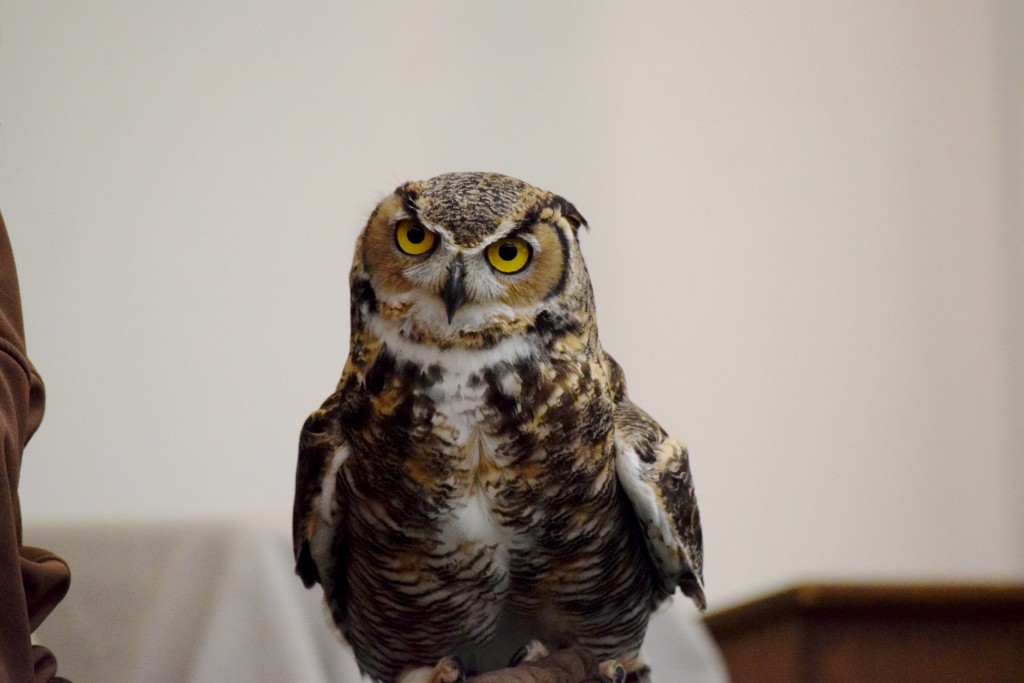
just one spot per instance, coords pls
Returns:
(801, 219)
(1010, 65)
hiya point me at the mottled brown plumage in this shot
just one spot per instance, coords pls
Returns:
(479, 479)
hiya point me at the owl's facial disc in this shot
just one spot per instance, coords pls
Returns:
(456, 273)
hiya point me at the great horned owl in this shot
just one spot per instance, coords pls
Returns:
(479, 479)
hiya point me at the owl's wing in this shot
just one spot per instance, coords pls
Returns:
(317, 512)
(654, 470)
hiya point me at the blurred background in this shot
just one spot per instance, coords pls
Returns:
(807, 246)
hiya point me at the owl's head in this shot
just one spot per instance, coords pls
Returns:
(466, 258)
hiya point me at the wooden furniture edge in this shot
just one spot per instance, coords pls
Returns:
(899, 600)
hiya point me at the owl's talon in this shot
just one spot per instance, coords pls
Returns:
(463, 671)
(613, 672)
(528, 654)
(447, 670)
(450, 670)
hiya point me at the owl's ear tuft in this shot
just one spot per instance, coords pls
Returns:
(570, 213)
(409, 193)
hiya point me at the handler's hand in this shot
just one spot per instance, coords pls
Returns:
(564, 666)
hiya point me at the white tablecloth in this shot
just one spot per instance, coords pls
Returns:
(197, 602)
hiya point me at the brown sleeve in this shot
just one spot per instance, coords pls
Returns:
(32, 581)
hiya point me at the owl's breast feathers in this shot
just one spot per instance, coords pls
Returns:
(534, 435)
(527, 423)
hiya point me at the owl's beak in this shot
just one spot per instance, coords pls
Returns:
(454, 291)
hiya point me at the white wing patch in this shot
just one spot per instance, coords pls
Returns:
(328, 503)
(323, 533)
(664, 543)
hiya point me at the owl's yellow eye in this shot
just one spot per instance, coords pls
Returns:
(414, 239)
(509, 255)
